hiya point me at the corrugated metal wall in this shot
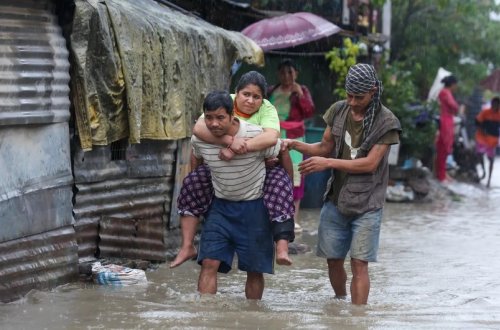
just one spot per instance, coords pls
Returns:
(39, 261)
(37, 240)
(122, 200)
(59, 205)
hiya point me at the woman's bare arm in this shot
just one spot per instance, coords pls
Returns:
(260, 142)
(203, 133)
(286, 162)
(266, 139)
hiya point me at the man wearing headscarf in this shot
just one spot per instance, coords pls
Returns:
(355, 146)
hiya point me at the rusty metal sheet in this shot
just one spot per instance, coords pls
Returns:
(136, 189)
(36, 180)
(132, 238)
(87, 233)
(34, 66)
(35, 164)
(37, 262)
(147, 159)
(182, 168)
(37, 241)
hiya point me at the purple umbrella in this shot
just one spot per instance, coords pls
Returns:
(289, 30)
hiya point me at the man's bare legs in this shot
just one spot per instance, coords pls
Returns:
(338, 277)
(207, 282)
(282, 257)
(491, 159)
(189, 224)
(254, 288)
(360, 285)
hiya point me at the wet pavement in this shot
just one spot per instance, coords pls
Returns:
(438, 269)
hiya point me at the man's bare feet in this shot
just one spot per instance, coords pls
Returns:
(185, 254)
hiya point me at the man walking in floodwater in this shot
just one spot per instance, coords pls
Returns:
(488, 130)
(359, 132)
(237, 221)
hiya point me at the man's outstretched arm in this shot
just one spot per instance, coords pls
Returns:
(323, 148)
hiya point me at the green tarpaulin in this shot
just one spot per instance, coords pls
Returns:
(141, 70)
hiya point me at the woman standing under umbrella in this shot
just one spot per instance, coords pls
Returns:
(294, 104)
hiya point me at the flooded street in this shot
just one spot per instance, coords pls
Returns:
(438, 268)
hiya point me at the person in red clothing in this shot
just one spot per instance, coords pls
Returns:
(488, 130)
(294, 104)
(444, 142)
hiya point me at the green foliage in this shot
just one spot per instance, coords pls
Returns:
(456, 35)
(399, 94)
(426, 35)
(416, 119)
(399, 88)
(378, 3)
(339, 61)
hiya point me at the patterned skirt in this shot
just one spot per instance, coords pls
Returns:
(197, 192)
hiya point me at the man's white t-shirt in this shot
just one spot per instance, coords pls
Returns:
(241, 178)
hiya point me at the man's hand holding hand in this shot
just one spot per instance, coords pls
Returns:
(239, 146)
(226, 154)
(287, 144)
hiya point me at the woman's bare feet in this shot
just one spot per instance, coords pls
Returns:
(185, 253)
(282, 257)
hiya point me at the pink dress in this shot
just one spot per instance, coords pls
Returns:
(444, 143)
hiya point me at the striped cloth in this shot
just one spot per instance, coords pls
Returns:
(360, 79)
(242, 178)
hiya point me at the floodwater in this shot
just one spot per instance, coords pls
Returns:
(438, 268)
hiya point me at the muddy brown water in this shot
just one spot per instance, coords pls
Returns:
(438, 268)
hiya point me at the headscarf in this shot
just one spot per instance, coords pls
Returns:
(360, 79)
